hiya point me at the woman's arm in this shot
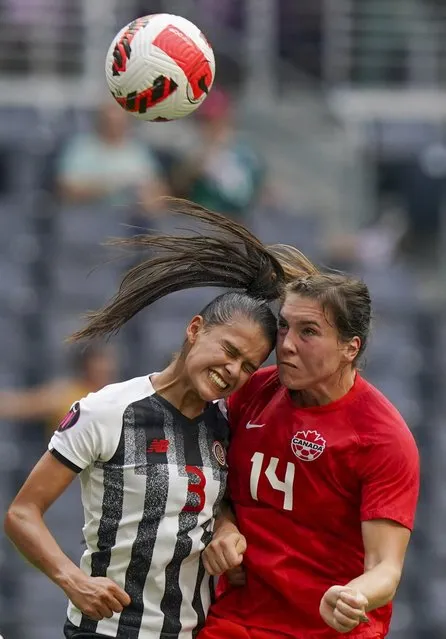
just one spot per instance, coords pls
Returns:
(228, 545)
(24, 524)
(33, 403)
(385, 544)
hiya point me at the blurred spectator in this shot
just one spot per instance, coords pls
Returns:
(109, 164)
(223, 173)
(92, 368)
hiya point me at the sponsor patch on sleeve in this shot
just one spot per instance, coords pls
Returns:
(71, 418)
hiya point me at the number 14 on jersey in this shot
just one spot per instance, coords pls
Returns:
(285, 486)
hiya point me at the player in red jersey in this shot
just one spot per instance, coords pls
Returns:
(324, 479)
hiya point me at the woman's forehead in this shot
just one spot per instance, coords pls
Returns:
(238, 325)
(298, 308)
(298, 304)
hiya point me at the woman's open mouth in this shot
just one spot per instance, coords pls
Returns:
(217, 380)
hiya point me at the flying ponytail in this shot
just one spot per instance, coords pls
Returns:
(293, 262)
(225, 255)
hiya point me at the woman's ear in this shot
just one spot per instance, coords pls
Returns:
(352, 349)
(193, 329)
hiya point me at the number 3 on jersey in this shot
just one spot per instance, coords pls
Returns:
(285, 486)
(196, 488)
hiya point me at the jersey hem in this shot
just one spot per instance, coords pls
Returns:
(378, 514)
(131, 629)
(377, 631)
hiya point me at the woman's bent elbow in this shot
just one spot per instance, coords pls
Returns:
(14, 520)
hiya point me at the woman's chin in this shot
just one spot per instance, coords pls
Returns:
(290, 377)
(209, 393)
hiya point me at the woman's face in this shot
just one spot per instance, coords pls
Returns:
(309, 350)
(221, 358)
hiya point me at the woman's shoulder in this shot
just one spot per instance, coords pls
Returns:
(378, 416)
(267, 377)
(120, 393)
(263, 383)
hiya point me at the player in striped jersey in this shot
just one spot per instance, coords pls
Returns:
(150, 452)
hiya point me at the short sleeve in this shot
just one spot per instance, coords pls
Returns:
(390, 473)
(84, 435)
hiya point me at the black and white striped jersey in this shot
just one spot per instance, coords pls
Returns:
(152, 480)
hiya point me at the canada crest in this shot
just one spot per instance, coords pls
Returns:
(308, 445)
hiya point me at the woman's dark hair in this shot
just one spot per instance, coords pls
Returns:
(225, 255)
(346, 299)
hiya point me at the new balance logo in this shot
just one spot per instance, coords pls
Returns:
(249, 425)
(158, 446)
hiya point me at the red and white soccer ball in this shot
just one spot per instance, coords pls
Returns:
(160, 67)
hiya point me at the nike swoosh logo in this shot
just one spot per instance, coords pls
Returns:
(249, 425)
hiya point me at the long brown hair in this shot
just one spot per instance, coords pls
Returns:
(225, 255)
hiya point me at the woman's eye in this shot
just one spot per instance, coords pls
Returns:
(248, 369)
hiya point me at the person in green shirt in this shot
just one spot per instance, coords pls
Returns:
(223, 173)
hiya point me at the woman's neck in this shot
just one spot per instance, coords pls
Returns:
(172, 385)
(327, 391)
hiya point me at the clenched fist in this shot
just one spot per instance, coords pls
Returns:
(97, 597)
(343, 608)
(225, 550)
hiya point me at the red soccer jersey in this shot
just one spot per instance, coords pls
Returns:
(302, 480)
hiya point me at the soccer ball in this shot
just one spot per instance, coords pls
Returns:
(160, 67)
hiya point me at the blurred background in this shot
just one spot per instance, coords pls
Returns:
(326, 129)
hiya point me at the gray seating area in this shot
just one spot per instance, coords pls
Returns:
(82, 274)
(53, 269)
